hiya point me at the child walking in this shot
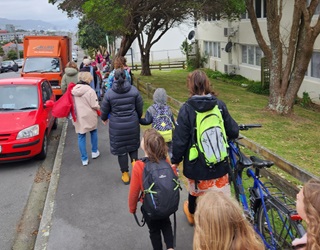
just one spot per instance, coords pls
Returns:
(160, 116)
(155, 150)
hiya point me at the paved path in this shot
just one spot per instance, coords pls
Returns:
(87, 207)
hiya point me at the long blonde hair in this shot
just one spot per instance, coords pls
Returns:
(220, 224)
(311, 193)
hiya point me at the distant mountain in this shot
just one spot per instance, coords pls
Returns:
(68, 25)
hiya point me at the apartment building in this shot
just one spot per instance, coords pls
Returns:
(231, 47)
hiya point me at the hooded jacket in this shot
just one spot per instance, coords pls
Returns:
(123, 106)
(182, 137)
(160, 98)
(86, 106)
(70, 75)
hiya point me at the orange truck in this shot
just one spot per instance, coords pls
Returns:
(46, 57)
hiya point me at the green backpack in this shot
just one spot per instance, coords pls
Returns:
(209, 138)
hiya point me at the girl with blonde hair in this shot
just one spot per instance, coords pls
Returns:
(220, 224)
(308, 207)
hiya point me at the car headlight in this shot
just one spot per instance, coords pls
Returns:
(28, 132)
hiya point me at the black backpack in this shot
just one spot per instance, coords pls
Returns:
(161, 189)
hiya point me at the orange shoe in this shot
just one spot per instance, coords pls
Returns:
(125, 178)
(190, 216)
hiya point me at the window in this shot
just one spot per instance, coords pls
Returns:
(315, 65)
(212, 17)
(260, 7)
(251, 55)
(212, 49)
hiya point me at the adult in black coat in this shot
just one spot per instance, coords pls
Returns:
(122, 105)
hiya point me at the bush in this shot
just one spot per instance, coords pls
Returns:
(257, 88)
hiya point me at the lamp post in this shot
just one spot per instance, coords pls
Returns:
(16, 41)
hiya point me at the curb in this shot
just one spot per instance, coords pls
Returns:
(46, 219)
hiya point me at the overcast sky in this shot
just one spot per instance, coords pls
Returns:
(31, 9)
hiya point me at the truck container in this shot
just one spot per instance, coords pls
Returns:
(46, 57)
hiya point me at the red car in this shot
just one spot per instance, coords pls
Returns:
(25, 118)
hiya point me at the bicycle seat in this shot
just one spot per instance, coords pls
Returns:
(259, 163)
(244, 160)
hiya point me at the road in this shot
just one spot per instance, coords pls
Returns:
(17, 181)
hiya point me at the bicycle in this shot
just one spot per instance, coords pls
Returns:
(271, 212)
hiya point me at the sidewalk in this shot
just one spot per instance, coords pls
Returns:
(87, 207)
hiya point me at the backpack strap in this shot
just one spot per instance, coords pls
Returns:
(174, 229)
(143, 221)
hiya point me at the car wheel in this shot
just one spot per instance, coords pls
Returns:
(55, 124)
(43, 153)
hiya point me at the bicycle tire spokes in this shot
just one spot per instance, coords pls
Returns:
(283, 230)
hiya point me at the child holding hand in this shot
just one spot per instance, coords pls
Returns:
(155, 150)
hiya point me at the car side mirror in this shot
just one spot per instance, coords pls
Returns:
(49, 104)
(15, 67)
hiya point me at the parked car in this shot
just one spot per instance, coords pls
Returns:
(19, 62)
(74, 56)
(8, 65)
(26, 118)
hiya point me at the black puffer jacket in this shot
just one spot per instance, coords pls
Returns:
(124, 104)
(183, 132)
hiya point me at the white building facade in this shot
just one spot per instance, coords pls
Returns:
(244, 56)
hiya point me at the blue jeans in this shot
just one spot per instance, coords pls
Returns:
(82, 144)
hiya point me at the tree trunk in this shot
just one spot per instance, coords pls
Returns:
(145, 63)
(286, 75)
(126, 43)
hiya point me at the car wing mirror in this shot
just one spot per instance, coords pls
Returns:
(15, 67)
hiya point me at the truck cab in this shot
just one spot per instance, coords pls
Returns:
(46, 57)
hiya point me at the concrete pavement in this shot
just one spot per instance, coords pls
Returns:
(87, 207)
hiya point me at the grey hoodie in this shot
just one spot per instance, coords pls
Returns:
(160, 96)
(70, 75)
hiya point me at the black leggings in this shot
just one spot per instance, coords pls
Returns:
(123, 160)
(155, 229)
(192, 203)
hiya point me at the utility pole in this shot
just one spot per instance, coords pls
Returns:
(16, 41)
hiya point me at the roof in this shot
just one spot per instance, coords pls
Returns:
(8, 44)
(22, 80)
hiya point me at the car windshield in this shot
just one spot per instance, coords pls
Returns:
(6, 63)
(42, 64)
(18, 97)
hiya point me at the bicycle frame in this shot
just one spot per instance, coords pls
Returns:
(239, 162)
(257, 184)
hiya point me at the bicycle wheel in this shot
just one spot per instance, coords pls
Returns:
(283, 229)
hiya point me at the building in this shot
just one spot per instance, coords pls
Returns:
(12, 46)
(231, 47)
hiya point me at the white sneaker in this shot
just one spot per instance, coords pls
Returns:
(85, 163)
(95, 154)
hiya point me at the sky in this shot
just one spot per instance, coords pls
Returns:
(31, 9)
(42, 10)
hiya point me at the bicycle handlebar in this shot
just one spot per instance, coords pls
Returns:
(247, 126)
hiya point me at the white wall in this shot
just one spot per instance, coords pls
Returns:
(214, 31)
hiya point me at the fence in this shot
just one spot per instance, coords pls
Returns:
(293, 170)
(161, 66)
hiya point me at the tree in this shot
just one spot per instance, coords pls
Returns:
(288, 58)
(91, 35)
(144, 20)
(1, 51)
(12, 54)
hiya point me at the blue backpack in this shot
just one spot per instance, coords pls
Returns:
(162, 121)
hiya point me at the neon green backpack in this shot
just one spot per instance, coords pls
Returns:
(209, 138)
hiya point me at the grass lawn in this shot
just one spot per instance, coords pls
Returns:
(295, 138)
